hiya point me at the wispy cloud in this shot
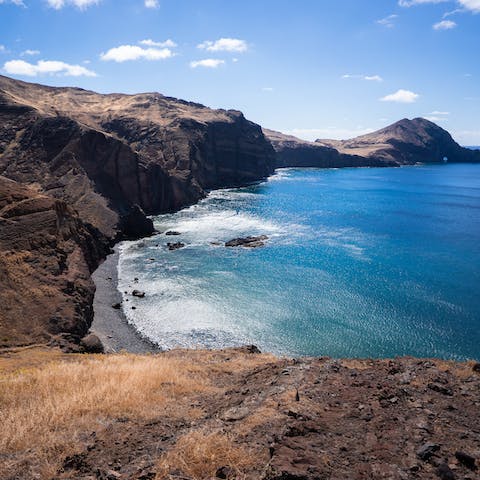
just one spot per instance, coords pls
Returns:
(411, 3)
(369, 78)
(224, 45)
(125, 53)
(444, 25)
(467, 5)
(388, 22)
(46, 67)
(81, 4)
(401, 96)
(30, 53)
(166, 44)
(151, 3)
(267, 89)
(331, 132)
(207, 63)
(437, 116)
(19, 3)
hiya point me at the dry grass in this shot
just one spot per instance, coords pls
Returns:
(198, 455)
(45, 411)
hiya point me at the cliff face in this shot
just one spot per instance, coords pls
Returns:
(404, 143)
(46, 257)
(112, 159)
(104, 154)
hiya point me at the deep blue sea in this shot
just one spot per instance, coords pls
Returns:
(364, 262)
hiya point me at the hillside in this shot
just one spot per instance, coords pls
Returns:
(104, 154)
(403, 143)
(236, 414)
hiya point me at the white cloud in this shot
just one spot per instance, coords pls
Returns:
(467, 137)
(388, 22)
(224, 45)
(151, 3)
(30, 52)
(81, 4)
(166, 44)
(436, 112)
(207, 63)
(401, 96)
(2, 49)
(370, 78)
(15, 2)
(125, 53)
(267, 89)
(410, 3)
(472, 5)
(444, 25)
(433, 118)
(334, 133)
(46, 67)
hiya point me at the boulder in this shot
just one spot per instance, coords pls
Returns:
(92, 344)
(247, 242)
(175, 245)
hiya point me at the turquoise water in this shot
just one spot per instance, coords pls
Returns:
(359, 263)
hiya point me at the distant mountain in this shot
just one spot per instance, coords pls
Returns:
(405, 142)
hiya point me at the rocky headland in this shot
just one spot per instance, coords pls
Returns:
(405, 142)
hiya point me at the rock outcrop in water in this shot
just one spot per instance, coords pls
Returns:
(404, 143)
(47, 254)
(115, 158)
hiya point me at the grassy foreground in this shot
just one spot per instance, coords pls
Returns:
(235, 414)
(48, 411)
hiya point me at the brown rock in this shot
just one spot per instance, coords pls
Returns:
(92, 344)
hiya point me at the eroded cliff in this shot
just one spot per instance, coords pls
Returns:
(46, 257)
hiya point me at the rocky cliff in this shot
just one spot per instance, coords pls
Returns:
(404, 143)
(46, 257)
(107, 154)
(112, 159)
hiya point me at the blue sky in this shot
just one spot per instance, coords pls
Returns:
(313, 68)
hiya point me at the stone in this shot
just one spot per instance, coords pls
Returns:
(427, 450)
(117, 306)
(92, 344)
(466, 459)
(138, 294)
(172, 232)
(443, 389)
(248, 242)
(225, 472)
(444, 472)
(175, 245)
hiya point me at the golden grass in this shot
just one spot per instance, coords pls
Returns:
(45, 411)
(199, 454)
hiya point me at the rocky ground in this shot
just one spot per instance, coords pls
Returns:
(261, 417)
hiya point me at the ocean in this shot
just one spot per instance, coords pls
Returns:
(366, 262)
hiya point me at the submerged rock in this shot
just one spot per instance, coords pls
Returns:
(248, 242)
(138, 293)
(175, 245)
(172, 232)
